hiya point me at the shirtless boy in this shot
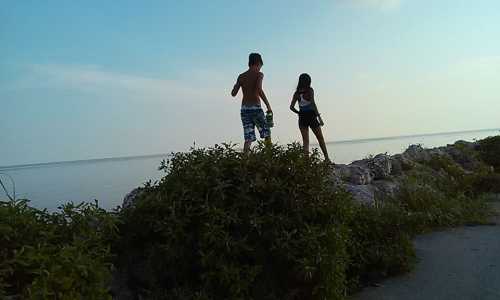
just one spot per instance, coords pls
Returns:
(251, 112)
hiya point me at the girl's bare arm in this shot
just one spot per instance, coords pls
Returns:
(292, 104)
(314, 103)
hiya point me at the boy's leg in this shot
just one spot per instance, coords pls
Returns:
(268, 142)
(246, 146)
(248, 129)
(262, 126)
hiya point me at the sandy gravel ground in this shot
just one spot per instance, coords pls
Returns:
(462, 263)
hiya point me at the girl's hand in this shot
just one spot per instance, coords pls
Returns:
(321, 123)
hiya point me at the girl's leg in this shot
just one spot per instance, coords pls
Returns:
(305, 139)
(321, 140)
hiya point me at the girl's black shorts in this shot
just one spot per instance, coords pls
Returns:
(308, 119)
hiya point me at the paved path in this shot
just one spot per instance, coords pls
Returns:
(462, 263)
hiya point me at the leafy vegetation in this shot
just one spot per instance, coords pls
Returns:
(441, 194)
(224, 225)
(489, 150)
(62, 255)
(379, 244)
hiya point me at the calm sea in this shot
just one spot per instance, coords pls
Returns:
(109, 180)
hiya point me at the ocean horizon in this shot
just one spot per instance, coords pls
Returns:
(108, 180)
(333, 142)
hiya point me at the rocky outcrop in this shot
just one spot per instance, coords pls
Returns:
(129, 199)
(380, 176)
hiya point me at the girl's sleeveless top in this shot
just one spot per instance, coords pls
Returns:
(304, 104)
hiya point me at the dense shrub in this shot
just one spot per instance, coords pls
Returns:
(268, 225)
(61, 255)
(487, 183)
(429, 207)
(222, 225)
(380, 243)
(440, 193)
(489, 150)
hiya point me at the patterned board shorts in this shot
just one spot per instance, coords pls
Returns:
(251, 117)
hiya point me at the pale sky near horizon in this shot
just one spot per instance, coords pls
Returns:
(91, 79)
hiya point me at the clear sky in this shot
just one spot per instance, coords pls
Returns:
(91, 79)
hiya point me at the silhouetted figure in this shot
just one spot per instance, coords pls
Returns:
(252, 114)
(308, 114)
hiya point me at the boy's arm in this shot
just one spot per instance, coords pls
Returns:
(261, 92)
(236, 87)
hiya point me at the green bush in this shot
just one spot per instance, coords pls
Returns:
(440, 193)
(61, 255)
(380, 243)
(267, 225)
(487, 183)
(222, 225)
(489, 151)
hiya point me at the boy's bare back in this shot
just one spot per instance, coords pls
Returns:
(249, 83)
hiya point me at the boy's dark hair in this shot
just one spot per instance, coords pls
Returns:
(254, 58)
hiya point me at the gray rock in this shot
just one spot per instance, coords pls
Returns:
(359, 174)
(338, 175)
(364, 194)
(386, 189)
(401, 162)
(129, 199)
(353, 173)
(396, 166)
(441, 151)
(381, 166)
(463, 154)
(417, 153)
(341, 171)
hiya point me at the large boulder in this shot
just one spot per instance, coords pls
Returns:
(463, 153)
(131, 197)
(360, 175)
(440, 151)
(381, 166)
(400, 164)
(353, 173)
(377, 190)
(386, 189)
(364, 194)
(417, 153)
